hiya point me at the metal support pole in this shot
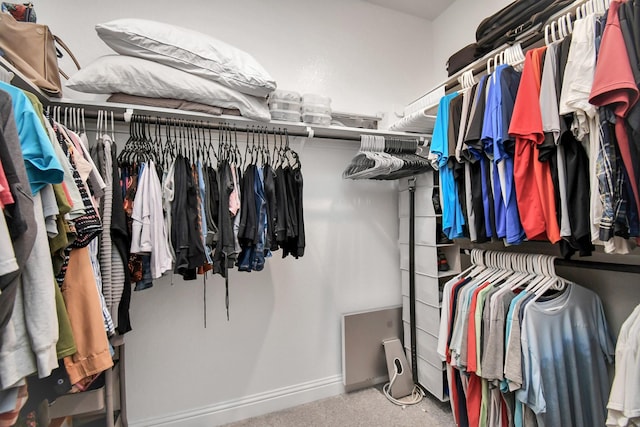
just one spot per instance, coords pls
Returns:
(412, 274)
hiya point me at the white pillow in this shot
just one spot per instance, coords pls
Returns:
(189, 51)
(136, 76)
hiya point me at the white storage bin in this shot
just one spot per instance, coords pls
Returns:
(285, 115)
(427, 347)
(424, 233)
(424, 204)
(404, 278)
(426, 259)
(403, 204)
(316, 109)
(427, 317)
(433, 378)
(316, 119)
(284, 105)
(426, 344)
(285, 95)
(407, 334)
(427, 288)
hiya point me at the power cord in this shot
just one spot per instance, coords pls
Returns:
(414, 398)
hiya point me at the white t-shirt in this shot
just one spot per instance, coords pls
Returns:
(624, 400)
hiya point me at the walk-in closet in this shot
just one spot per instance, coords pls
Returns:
(336, 213)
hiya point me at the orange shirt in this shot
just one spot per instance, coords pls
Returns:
(534, 186)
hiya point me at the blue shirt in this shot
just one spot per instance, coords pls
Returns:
(40, 159)
(504, 151)
(452, 216)
(491, 130)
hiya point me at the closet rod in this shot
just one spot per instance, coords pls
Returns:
(215, 122)
(200, 123)
(592, 265)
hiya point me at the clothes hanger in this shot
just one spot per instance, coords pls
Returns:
(489, 65)
(551, 283)
(250, 140)
(99, 125)
(84, 125)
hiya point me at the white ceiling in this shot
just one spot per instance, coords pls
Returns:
(427, 9)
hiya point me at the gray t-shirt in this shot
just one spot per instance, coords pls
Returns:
(493, 356)
(566, 345)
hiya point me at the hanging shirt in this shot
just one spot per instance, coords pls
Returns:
(624, 400)
(152, 221)
(444, 316)
(493, 357)
(452, 218)
(566, 345)
(40, 159)
(467, 97)
(614, 85)
(551, 128)
(534, 187)
(491, 129)
(482, 204)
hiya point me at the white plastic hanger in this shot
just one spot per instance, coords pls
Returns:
(99, 125)
(547, 35)
(543, 277)
(569, 22)
(563, 31)
(84, 125)
(552, 282)
(113, 128)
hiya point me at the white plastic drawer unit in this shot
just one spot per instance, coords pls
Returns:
(426, 259)
(424, 203)
(426, 288)
(424, 232)
(433, 378)
(427, 317)
(426, 344)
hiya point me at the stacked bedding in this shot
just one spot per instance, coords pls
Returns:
(161, 64)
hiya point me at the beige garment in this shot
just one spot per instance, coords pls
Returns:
(83, 305)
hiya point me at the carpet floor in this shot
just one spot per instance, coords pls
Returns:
(365, 408)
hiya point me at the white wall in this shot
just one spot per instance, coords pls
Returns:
(284, 330)
(454, 29)
(282, 345)
(359, 54)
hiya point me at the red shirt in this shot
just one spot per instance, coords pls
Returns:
(615, 86)
(534, 186)
(472, 351)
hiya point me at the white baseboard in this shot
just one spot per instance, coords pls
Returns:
(249, 406)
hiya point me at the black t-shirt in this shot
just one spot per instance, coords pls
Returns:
(455, 117)
(472, 139)
(509, 84)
